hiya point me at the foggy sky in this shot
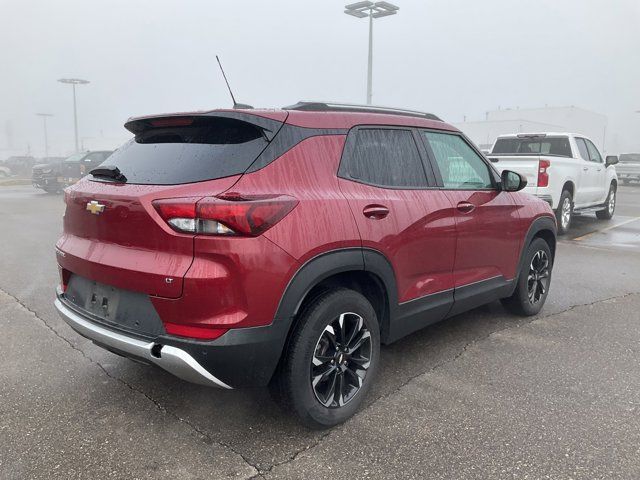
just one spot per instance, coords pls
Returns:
(453, 58)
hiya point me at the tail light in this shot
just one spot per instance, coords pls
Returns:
(543, 175)
(226, 215)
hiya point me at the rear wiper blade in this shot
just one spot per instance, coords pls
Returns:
(109, 171)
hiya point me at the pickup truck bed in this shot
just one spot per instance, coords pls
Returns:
(564, 169)
(527, 165)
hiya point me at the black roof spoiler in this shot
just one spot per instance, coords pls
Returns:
(138, 125)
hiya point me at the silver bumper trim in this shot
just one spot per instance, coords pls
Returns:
(172, 359)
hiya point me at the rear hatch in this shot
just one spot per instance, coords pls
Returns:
(113, 235)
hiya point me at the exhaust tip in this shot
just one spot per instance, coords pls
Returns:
(156, 350)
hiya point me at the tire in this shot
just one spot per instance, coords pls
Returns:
(312, 354)
(538, 261)
(610, 202)
(564, 212)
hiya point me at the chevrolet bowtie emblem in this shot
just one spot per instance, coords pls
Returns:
(95, 207)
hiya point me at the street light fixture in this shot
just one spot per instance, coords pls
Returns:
(46, 138)
(371, 10)
(73, 82)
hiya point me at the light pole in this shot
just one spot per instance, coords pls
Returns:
(46, 138)
(73, 82)
(371, 10)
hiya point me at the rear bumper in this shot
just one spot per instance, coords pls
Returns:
(543, 193)
(171, 359)
(242, 357)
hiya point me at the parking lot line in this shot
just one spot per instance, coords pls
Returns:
(577, 239)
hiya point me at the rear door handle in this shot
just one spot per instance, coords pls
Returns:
(466, 207)
(585, 168)
(375, 212)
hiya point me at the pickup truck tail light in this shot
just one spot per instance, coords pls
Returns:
(225, 215)
(543, 175)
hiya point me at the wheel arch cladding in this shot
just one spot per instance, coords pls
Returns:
(549, 237)
(542, 227)
(365, 271)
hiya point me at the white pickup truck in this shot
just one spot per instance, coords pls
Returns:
(564, 169)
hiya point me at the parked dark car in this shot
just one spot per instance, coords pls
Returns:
(54, 175)
(19, 165)
(245, 248)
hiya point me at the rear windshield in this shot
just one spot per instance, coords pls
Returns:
(629, 158)
(208, 149)
(76, 157)
(534, 146)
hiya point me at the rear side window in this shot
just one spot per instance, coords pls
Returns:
(460, 166)
(383, 157)
(582, 148)
(534, 146)
(207, 149)
(594, 155)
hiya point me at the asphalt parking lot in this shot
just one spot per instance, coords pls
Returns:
(482, 395)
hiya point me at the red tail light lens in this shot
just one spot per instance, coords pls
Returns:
(226, 215)
(543, 175)
(191, 331)
(171, 122)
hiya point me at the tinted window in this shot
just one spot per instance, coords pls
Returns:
(629, 158)
(386, 158)
(208, 149)
(534, 146)
(582, 148)
(594, 155)
(460, 166)
(95, 158)
(76, 157)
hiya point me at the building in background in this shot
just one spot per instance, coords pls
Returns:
(548, 119)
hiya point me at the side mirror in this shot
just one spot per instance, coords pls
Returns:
(611, 160)
(512, 181)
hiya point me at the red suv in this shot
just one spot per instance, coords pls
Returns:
(254, 247)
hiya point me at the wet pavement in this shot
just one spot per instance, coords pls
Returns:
(482, 395)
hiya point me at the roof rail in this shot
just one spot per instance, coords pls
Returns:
(345, 107)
